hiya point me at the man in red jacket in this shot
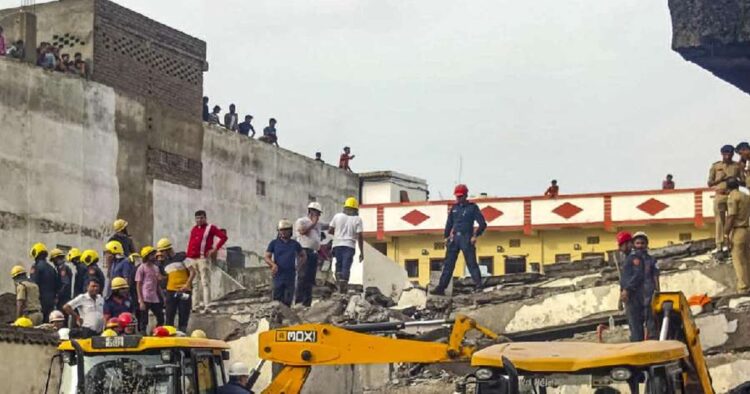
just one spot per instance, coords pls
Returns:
(201, 252)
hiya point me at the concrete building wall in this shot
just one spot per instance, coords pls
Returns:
(26, 366)
(59, 156)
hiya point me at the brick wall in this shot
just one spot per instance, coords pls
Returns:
(174, 168)
(147, 59)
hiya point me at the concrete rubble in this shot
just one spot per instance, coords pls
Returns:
(569, 301)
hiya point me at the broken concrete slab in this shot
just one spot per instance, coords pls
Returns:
(412, 298)
(737, 302)
(714, 330)
(245, 349)
(385, 274)
(692, 282)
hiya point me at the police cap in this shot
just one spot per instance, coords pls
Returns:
(727, 149)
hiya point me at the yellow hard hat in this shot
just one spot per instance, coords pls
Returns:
(198, 334)
(89, 256)
(351, 202)
(114, 247)
(109, 333)
(119, 225)
(73, 254)
(162, 245)
(284, 224)
(134, 257)
(119, 283)
(147, 250)
(171, 330)
(17, 270)
(37, 249)
(55, 253)
(23, 321)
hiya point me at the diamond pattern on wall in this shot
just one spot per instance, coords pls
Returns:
(491, 213)
(415, 217)
(652, 206)
(567, 210)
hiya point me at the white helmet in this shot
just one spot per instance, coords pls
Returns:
(641, 234)
(316, 206)
(239, 369)
(56, 316)
(284, 224)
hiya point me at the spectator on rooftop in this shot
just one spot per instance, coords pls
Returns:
(62, 65)
(667, 184)
(213, 117)
(80, 65)
(41, 51)
(344, 159)
(2, 42)
(553, 190)
(206, 112)
(318, 157)
(47, 57)
(269, 133)
(17, 50)
(245, 128)
(231, 119)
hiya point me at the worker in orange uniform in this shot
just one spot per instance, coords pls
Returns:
(736, 231)
(460, 235)
(717, 180)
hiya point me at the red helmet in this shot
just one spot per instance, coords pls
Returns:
(126, 319)
(160, 331)
(624, 236)
(113, 322)
(460, 190)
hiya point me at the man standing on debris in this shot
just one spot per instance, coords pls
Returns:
(284, 256)
(460, 235)
(65, 275)
(308, 235)
(346, 228)
(201, 252)
(650, 282)
(121, 235)
(27, 296)
(45, 276)
(179, 286)
(736, 232)
(147, 279)
(631, 287)
(88, 310)
(717, 177)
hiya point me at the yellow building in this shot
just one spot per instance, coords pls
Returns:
(526, 231)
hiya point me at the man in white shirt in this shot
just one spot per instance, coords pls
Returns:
(87, 310)
(307, 229)
(346, 228)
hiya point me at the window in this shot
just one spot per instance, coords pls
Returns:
(436, 264)
(439, 246)
(515, 243)
(515, 264)
(562, 258)
(684, 237)
(488, 262)
(412, 268)
(594, 240)
(260, 187)
(403, 196)
(205, 374)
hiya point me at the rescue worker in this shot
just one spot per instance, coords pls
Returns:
(23, 322)
(283, 256)
(717, 177)
(148, 294)
(179, 287)
(121, 235)
(119, 301)
(743, 150)
(239, 376)
(64, 275)
(74, 258)
(56, 321)
(736, 232)
(45, 276)
(308, 235)
(346, 228)
(460, 235)
(90, 259)
(650, 282)
(631, 288)
(118, 263)
(27, 296)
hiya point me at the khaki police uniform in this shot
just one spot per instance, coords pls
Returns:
(721, 171)
(738, 205)
(28, 292)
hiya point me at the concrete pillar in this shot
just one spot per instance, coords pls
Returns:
(21, 26)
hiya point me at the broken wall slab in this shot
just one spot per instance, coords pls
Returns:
(245, 349)
(382, 272)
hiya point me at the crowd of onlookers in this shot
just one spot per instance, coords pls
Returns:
(48, 56)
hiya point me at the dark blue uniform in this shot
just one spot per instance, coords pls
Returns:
(45, 276)
(631, 279)
(460, 228)
(65, 285)
(285, 256)
(650, 279)
(80, 277)
(233, 387)
(93, 272)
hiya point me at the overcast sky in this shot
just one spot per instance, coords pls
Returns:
(585, 91)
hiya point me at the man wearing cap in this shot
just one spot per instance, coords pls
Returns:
(27, 296)
(308, 235)
(631, 287)
(239, 376)
(179, 287)
(460, 235)
(650, 282)
(346, 228)
(736, 231)
(717, 177)
(282, 256)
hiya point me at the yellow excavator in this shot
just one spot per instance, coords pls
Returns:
(673, 364)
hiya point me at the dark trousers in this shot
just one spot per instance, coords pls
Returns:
(344, 258)
(460, 244)
(306, 279)
(650, 319)
(634, 312)
(48, 305)
(157, 309)
(82, 332)
(283, 289)
(175, 305)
